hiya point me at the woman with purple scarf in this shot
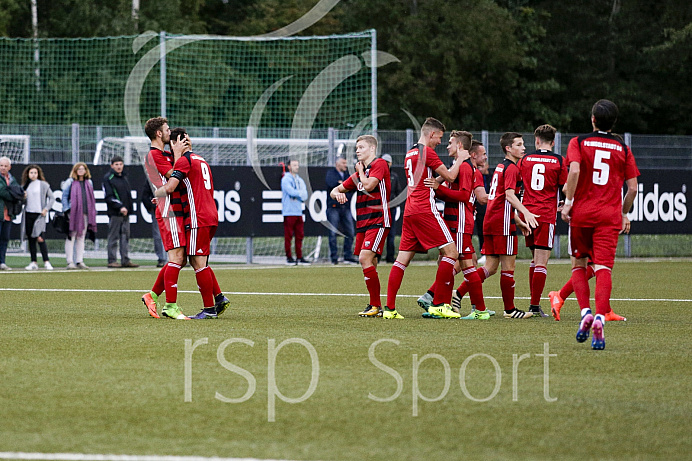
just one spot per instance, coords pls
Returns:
(78, 198)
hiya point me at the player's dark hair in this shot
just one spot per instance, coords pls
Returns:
(545, 133)
(605, 113)
(464, 137)
(507, 139)
(175, 132)
(431, 124)
(153, 125)
(117, 158)
(474, 146)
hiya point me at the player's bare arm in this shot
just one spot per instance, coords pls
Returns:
(569, 189)
(450, 174)
(521, 225)
(167, 188)
(339, 194)
(481, 195)
(627, 204)
(516, 203)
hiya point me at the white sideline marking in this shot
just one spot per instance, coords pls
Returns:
(99, 457)
(283, 293)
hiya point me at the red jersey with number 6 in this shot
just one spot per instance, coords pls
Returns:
(542, 174)
(420, 198)
(193, 171)
(499, 216)
(605, 163)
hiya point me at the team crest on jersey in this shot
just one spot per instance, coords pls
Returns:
(367, 243)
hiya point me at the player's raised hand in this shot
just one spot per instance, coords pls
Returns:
(431, 182)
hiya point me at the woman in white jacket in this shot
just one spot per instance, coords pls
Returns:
(39, 200)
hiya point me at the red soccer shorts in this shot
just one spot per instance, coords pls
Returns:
(541, 237)
(598, 243)
(172, 232)
(199, 240)
(465, 246)
(500, 245)
(372, 239)
(421, 232)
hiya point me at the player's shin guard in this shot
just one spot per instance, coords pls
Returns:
(464, 287)
(396, 275)
(159, 284)
(171, 282)
(538, 284)
(444, 281)
(475, 288)
(581, 287)
(604, 286)
(507, 287)
(205, 285)
(372, 282)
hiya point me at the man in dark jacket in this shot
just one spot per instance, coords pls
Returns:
(396, 190)
(338, 215)
(118, 195)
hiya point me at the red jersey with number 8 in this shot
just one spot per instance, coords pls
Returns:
(193, 171)
(420, 198)
(499, 216)
(605, 163)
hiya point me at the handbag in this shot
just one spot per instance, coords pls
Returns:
(61, 222)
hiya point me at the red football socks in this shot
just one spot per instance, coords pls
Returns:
(604, 286)
(396, 275)
(372, 282)
(475, 287)
(159, 284)
(507, 287)
(444, 281)
(206, 285)
(581, 287)
(538, 284)
(171, 282)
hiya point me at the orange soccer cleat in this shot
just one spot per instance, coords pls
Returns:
(612, 316)
(556, 303)
(150, 303)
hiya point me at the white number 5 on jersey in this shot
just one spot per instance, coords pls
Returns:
(601, 170)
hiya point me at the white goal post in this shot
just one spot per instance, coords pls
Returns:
(16, 147)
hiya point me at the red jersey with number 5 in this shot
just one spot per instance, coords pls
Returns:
(420, 198)
(193, 171)
(542, 174)
(605, 163)
(499, 216)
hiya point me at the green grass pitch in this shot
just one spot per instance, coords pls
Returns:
(90, 372)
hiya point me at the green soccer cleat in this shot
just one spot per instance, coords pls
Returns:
(172, 311)
(443, 311)
(387, 314)
(425, 301)
(477, 315)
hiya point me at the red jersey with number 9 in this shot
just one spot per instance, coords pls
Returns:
(193, 171)
(420, 198)
(605, 163)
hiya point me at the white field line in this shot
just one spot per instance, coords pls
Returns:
(283, 293)
(100, 457)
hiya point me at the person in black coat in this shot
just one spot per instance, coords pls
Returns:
(396, 190)
(338, 215)
(118, 195)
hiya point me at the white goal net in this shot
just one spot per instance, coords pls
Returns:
(15, 147)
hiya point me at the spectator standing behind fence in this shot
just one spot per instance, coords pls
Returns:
(294, 193)
(396, 190)
(78, 198)
(118, 195)
(39, 200)
(6, 179)
(146, 196)
(339, 215)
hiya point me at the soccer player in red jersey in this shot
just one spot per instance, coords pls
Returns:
(499, 229)
(423, 227)
(201, 222)
(599, 164)
(169, 215)
(373, 221)
(543, 172)
(460, 207)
